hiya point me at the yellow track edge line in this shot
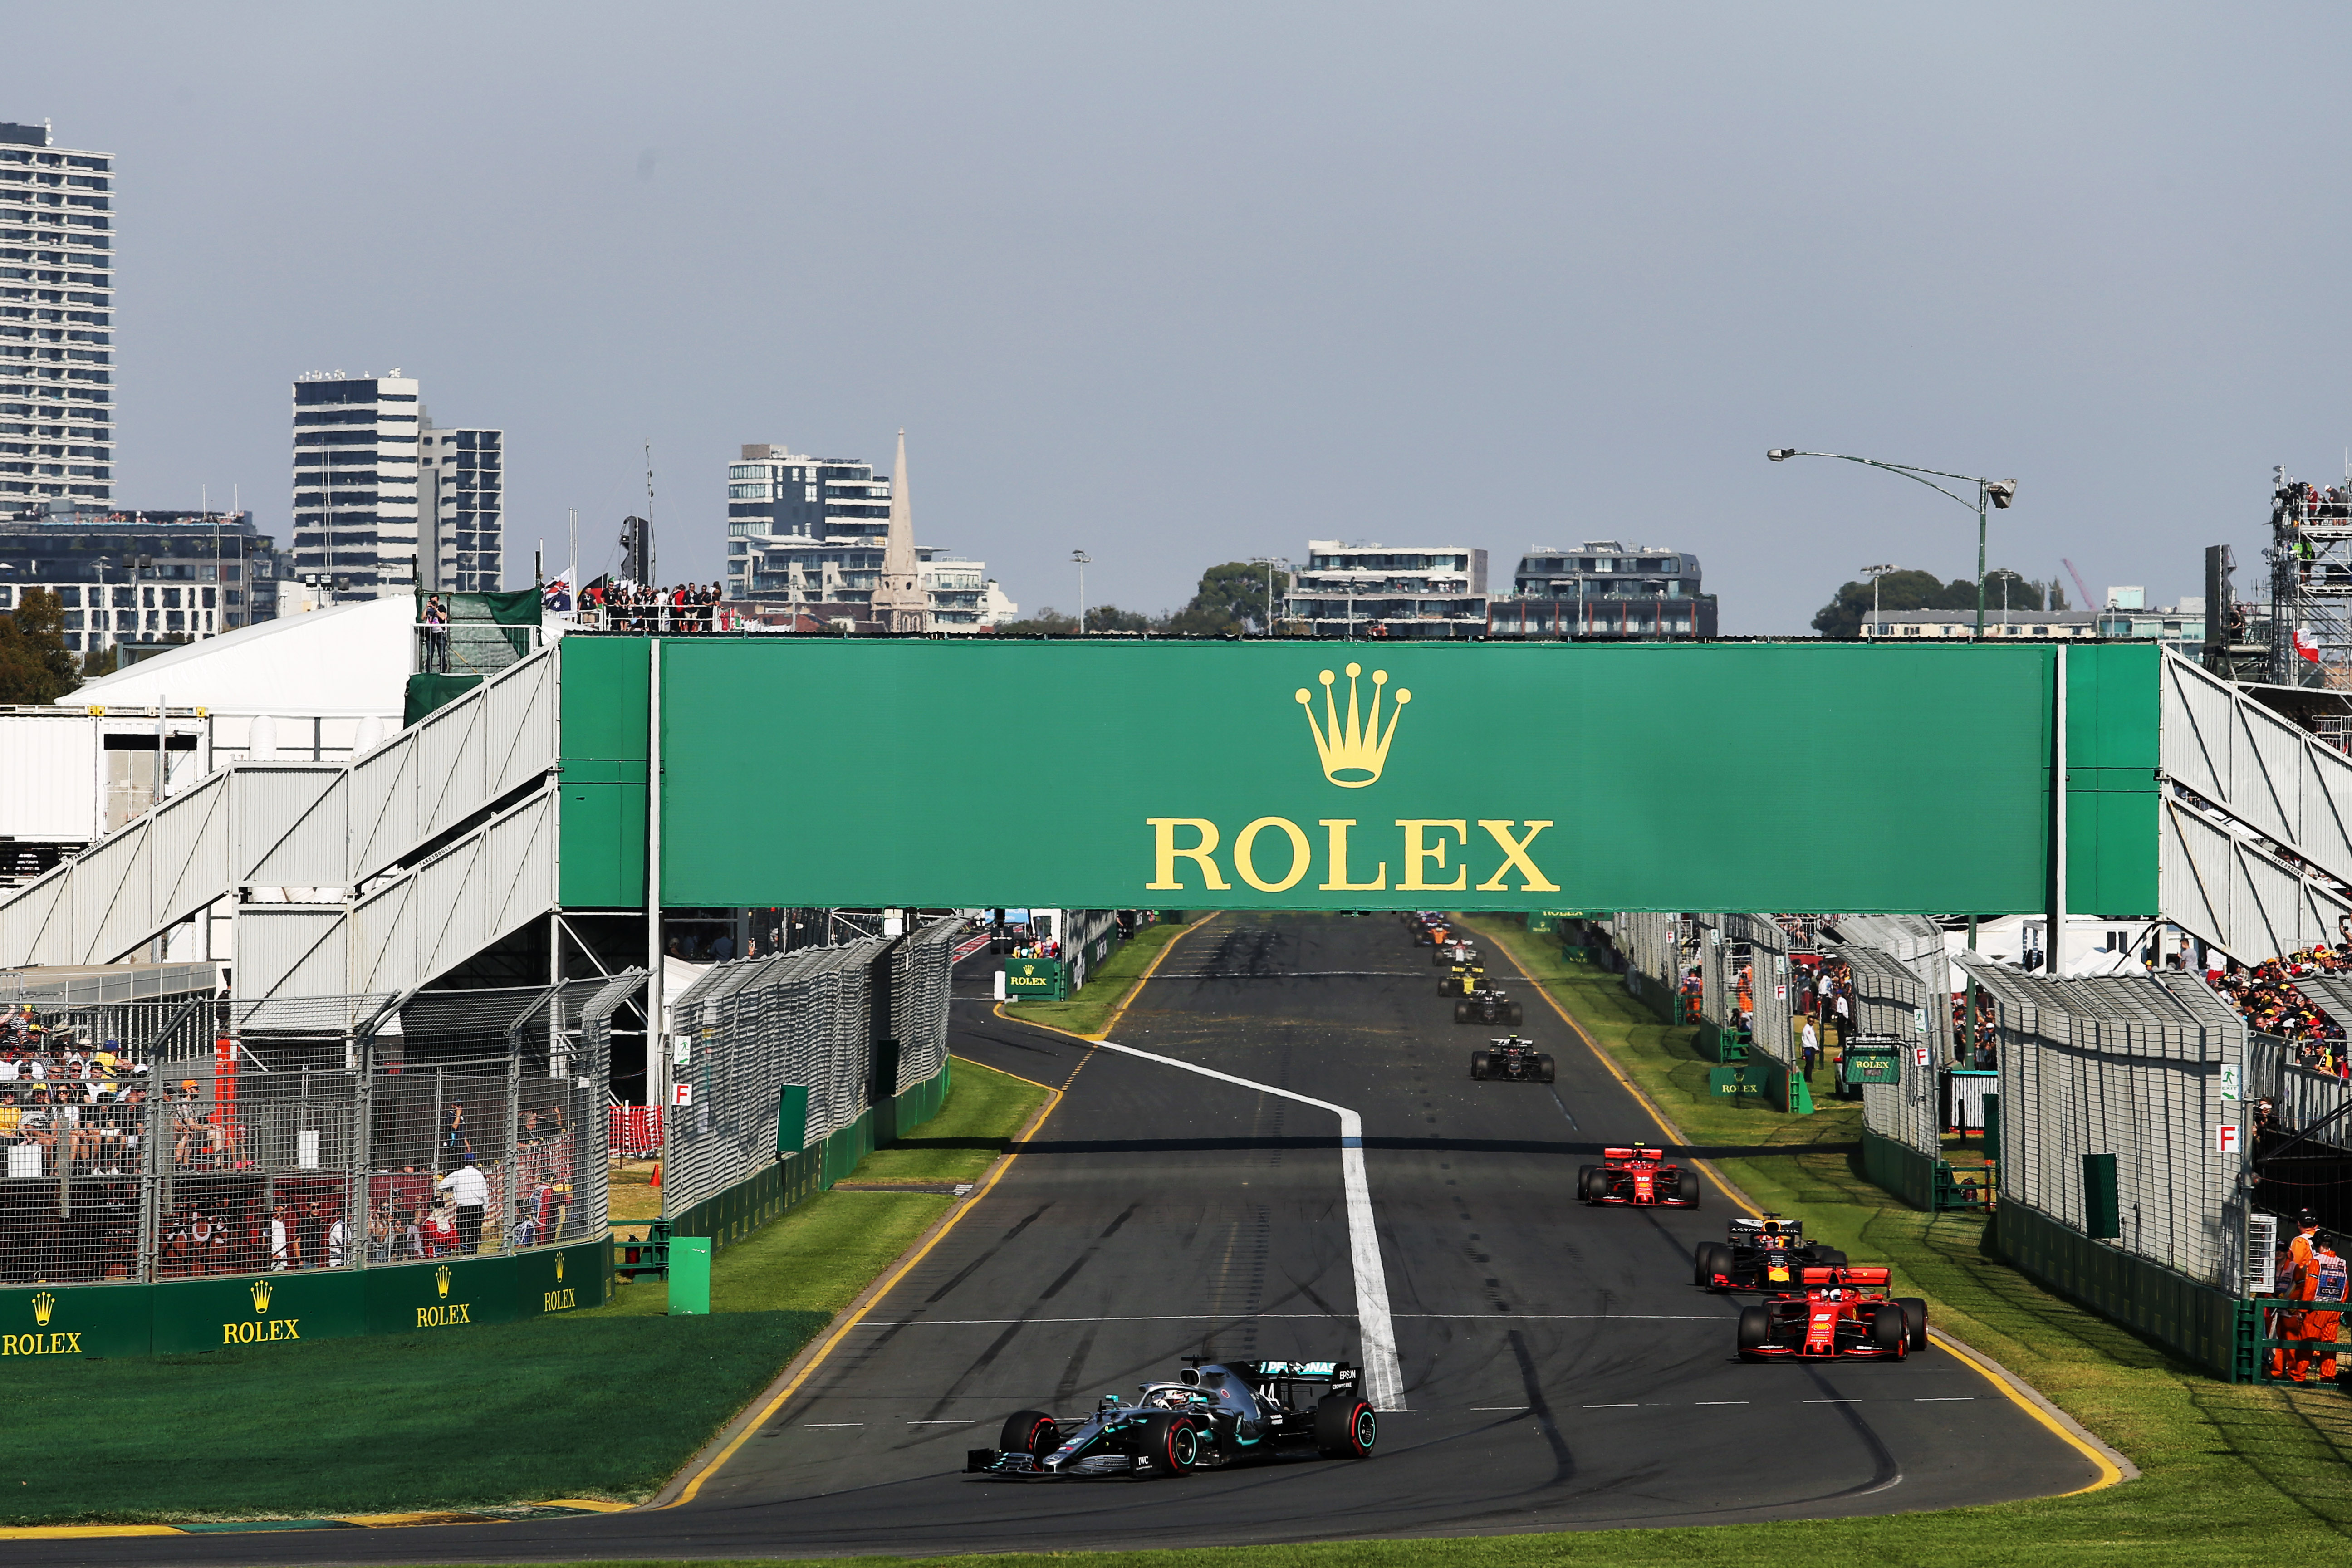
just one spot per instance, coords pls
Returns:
(859, 1314)
(83, 1532)
(2113, 1468)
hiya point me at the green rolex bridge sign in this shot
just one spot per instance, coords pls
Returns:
(1327, 775)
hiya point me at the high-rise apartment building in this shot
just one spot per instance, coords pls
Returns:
(814, 534)
(804, 529)
(384, 501)
(1606, 590)
(460, 508)
(1389, 590)
(57, 335)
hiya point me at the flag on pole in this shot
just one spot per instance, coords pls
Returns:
(558, 593)
(2304, 646)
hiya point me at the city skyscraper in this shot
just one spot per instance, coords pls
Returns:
(460, 508)
(56, 302)
(384, 501)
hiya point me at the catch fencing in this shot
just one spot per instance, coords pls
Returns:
(1901, 982)
(856, 1026)
(329, 1133)
(1650, 946)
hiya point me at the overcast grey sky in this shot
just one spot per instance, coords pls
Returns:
(1182, 284)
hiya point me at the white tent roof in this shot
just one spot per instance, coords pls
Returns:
(350, 659)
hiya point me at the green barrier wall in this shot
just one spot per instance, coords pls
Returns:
(1899, 1169)
(2204, 1325)
(727, 1217)
(178, 1317)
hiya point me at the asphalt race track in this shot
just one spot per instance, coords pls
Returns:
(1559, 1371)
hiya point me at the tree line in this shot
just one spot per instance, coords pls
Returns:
(1843, 616)
(35, 665)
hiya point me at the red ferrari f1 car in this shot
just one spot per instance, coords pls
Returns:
(1637, 1176)
(1837, 1313)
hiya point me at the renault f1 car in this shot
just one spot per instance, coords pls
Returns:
(1462, 979)
(1215, 1415)
(1766, 1254)
(1834, 1312)
(1488, 1005)
(1639, 1176)
(1514, 1058)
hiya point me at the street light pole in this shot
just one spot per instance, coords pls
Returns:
(1874, 573)
(1998, 493)
(1269, 562)
(1082, 558)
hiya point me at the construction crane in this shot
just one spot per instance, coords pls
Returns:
(2078, 583)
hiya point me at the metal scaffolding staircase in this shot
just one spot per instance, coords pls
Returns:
(2260, 863)
(436, 837)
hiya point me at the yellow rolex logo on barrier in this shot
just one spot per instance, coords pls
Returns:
(43, 1305)
(254, 1333)
(1353, 754)
(559, 1267)
(1273, 853)
(441, 1281)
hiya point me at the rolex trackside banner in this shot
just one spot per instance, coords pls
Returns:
(1327, 775)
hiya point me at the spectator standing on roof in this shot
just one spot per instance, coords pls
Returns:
(436, 636)
(470, 1191)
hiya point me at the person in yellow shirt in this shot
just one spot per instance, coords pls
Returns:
(9, 1115)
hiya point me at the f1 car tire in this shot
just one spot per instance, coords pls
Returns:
(1596, 1183)
(1345, 1427)
(1687, 1187)
(1915, 1320)
(1890, 1328)
(1172, 1443)
(1544, 1069)
(1462, 1013)
(1709, 1262)
(1030, 1432)
(1480, 1064)
(1755, 1331)
(1513, 1013)
(1584, 1184)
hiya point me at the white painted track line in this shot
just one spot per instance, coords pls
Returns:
(1384, 1375)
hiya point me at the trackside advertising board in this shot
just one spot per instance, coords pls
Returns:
(1369, 775)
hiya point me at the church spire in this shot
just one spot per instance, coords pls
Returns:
(900, 602)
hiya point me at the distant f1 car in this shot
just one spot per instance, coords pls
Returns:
(1835, 1313)
(1766, 1254)
(1214, 1415)
(1486, 1005)
(1514, 1058)
(1454, 949)
(1462, 979)
(1640, 1175)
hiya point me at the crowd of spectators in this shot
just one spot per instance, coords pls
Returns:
(66, 1104)
(2266, 996)
(687, 608)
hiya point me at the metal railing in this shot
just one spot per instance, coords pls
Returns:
(852, 1024)
(325, 1134)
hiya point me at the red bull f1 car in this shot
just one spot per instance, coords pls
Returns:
(1640, 1175)
(1514, 1058)
(1766, 1254)
(1214, 1415)
(1834, 1312)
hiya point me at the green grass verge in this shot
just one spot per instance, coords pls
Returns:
(606, 1402)
(1107, 989)
(985, 1111)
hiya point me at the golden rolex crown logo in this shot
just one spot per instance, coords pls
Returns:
(43, 1305)
(1354, 752)
(261, 1292)
(559, 1267)
(441, 1281)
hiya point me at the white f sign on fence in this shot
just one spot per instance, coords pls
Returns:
(681, 1094)
(2225, 1139)
(1919, 1056)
